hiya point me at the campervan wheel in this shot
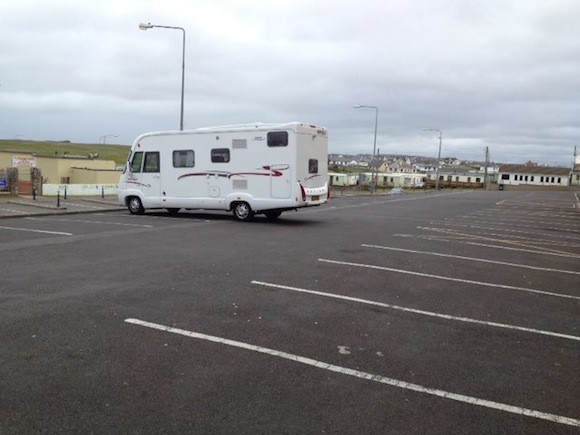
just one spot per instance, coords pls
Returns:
(135, 206)
(242, 211)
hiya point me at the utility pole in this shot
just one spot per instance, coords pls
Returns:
(486, 166)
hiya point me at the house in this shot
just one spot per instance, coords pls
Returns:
(456, 179)
(342, 179)
(517, 175)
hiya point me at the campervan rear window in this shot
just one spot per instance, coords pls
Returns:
(278, 139)
(313, 166)
(136, 162)
(220, 155)
(183, 159)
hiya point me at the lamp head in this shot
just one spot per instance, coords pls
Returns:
(145, 26)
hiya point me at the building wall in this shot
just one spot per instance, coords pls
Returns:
(53, 169)
(92, 176)
(533, 179)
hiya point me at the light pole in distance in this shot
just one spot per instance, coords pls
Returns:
(438, 154)
(145, 26)
(362, 106)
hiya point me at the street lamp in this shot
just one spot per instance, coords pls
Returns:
(360, 106)
(104, 137)
(145, 26)
(438, 154)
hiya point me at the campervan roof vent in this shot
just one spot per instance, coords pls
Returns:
(239, 143)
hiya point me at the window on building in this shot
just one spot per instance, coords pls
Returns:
(478, 180)
(278, 139)
(457, 179)
(469, 179)
(505, 176)
(220, 155)
(552, 179)
(313, 166)
(532, 178)
(526, 178)
(559, 180)
(183, 159)
(136, 162)
(541, 179)
(151, 163)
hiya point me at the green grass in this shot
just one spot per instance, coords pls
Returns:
(118, 153)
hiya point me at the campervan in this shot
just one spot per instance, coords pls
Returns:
(247, 169)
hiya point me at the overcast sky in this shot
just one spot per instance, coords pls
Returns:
(497, 73)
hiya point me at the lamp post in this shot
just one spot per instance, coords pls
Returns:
(145, 26)
(438, 154)
(361, 106)
(104, 137)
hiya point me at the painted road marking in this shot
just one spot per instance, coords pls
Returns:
(12, 210)
(482, 233)
(515, 224)
(91, 222)
(37, 231)
(503, 263)
(446, 278)
(485, 245)
(491, 239)
(508, 230)
(363, 375)
(416, 311)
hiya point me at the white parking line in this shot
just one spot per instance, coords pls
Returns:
(446, 278)
(505, 230)
(503, 263)
(485, 245)
(363, 375)
(513, 224)
(505, 241)
(36, 231)
(91, 222)
(416, 311)
(482, 233)
(12, 210)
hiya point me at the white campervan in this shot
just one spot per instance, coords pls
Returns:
(247, 169)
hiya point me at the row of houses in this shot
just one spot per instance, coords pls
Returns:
(506, 175)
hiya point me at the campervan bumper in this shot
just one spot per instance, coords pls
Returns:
(316, 195)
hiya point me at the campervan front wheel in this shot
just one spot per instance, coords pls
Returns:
(242, 211)
(135, 206)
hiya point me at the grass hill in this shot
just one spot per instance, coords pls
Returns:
(118, 153)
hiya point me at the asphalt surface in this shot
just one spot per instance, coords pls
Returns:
(463, 317)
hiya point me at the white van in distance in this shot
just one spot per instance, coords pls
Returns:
(246, 169)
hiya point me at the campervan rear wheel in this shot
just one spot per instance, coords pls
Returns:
(135, 206)
(243, 211)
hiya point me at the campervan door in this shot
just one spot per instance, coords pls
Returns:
(145, 175)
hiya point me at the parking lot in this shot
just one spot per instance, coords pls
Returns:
(451, 312)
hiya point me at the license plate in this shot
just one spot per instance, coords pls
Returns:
(315, 198)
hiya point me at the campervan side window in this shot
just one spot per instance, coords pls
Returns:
(151, 162)
(278, 139)
(220, 155)
(313, 166)
(136, 162)
(183, 159)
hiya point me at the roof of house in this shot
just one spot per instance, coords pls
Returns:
(542, 170)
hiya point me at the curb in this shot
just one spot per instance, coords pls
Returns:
(56, 213)
(28, 204)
